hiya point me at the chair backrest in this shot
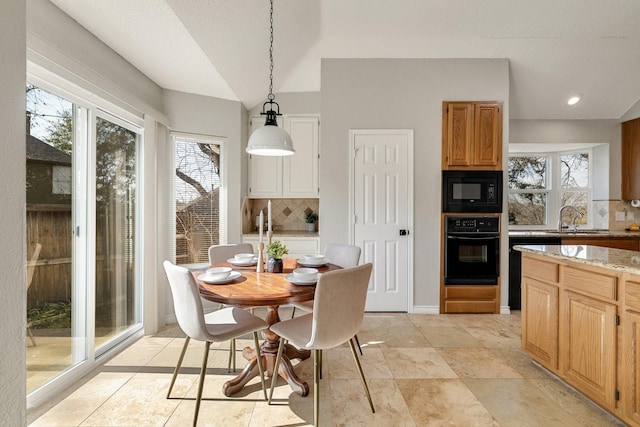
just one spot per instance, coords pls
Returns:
(346, 256)
(338, 306)
(186, 301)
(221, 253)
(31, 264)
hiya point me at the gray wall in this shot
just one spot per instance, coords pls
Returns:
(400, 94)
(12, 227)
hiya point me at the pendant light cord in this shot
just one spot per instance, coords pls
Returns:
(271, 96)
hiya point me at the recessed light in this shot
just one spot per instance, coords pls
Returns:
(574, 99)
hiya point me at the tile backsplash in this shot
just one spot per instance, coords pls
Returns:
(604, 214)
(286, 214)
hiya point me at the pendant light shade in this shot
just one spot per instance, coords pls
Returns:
(270, 140)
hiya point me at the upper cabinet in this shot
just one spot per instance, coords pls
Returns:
(290, 176)
(631, 159)
(472, 135)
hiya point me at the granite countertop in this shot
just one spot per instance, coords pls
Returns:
(575, 234)
(612, 259)
(287, 233)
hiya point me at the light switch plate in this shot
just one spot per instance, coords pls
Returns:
(629, 216)
(619, 216)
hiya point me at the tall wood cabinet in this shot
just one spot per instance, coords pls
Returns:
(293, 176)
(472, 135)
(631, 159)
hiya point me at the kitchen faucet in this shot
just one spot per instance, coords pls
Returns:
(573, 223)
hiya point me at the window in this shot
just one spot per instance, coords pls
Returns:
(199, 194)
(540, 184)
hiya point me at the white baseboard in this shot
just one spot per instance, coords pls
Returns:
(425, 309)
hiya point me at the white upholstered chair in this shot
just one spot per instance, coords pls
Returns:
(346, 256)
(338, 312)
(221, 253)
(222, 325)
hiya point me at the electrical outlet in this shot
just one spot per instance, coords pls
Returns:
(629, 216)
(619, 216)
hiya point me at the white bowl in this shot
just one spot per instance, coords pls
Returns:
(218, 273)
(314, 258)
(243, 257)
(305, 274)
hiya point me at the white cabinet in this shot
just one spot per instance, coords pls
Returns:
(298, 246)
(290, 176)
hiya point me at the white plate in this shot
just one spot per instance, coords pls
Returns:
(233, 276)
(306, 263)
(243, 264)
(293, 279)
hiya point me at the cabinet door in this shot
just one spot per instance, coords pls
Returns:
(265, 172)
(457, 134)
(487, 140)
(631, 159)
(631, 365)
(540, 321)
(300, 171)
(588, 354)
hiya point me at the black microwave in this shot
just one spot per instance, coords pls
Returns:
(471, 191)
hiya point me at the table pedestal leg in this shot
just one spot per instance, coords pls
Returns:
(269, 352)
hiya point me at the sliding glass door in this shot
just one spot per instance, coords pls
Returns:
(82, 189)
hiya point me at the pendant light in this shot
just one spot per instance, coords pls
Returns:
(270, 140)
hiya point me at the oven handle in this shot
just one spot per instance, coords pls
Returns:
(473, 238)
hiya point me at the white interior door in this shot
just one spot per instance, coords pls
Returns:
(382, 206)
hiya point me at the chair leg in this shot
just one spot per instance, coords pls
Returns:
(364, 382)
(175, 371)
(274, 375)
(293, 313)
(232, 355)
(259, 362)
(317, 361)
(203, 371)
(358, 343)
(320, 368)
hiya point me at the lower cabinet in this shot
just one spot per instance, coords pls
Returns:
(588, 341)
(580, 322)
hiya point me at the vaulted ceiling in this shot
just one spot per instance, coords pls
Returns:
(220, 48)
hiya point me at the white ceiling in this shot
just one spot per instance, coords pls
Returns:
(220, 48)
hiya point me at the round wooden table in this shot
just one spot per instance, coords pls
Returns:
(269, 290)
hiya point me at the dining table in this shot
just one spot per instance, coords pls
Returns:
(270, 290)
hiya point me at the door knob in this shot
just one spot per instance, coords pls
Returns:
(404, 232)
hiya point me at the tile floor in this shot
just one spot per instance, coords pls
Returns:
(423, 370)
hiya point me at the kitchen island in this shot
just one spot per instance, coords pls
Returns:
(581, 320)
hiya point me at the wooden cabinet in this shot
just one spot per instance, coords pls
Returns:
(631, 244)
(588, 346)
(293, 176)
(571, 317)
(540, 303)
(630, 365)
(631, 159)
(472, 135)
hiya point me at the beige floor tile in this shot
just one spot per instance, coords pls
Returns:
(575, 403)
(340, 364)
(521, 362)
(443, 402)
(498, 337)
(350, 407)
(399, 336)
(448, 336)
(417, 363)
(520, 403)
(477, 363)
(432, 320)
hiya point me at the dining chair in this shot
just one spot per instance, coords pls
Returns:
(221, 325)
(31, 268)
(338, 312)
(345, 256)
(221, 253)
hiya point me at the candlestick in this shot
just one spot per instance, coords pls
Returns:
(269, 217)
(261, 225)
(269, 236)
(260, 265)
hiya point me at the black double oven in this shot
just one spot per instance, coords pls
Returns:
(471, 242)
